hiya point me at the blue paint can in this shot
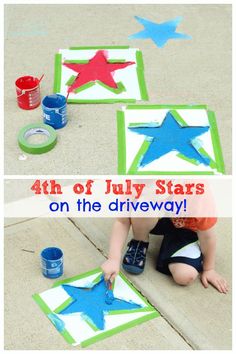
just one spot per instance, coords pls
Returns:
(52, 262)
(55, 110)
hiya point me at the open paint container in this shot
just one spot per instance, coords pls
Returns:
(52, 262)
(55, 110)
(28, 92)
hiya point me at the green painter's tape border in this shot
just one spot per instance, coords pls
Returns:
(71, 80)
(171, 173)
(84, 87)
(192, 161)
(218, 165)
(101, 47)
(134, 166)
(212, 162)
(140, 75)
(44, 307)
(108, 100)
(77, 277)
(121, 87)
(145, 145)
(165, 106)
(153, 313)
(216, 142)
(119, 329)
(65, 334)
(57, 73)
(80, 61)
(121, 142)
(76, 61)
(63, 305)
(122, 312)
(178, 118)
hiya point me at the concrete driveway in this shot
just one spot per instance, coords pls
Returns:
(191, 317)
(196, 71)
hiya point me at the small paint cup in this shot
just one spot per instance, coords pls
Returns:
(52, 262)
(55, 110)
(28, 92)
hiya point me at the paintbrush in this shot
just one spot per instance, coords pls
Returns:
(109, 293)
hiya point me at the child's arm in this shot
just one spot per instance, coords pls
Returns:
(119, 235)
(207, 240)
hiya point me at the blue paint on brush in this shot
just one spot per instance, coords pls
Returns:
(171, 136)
(160, 33)
(109, 297)
(92, 303)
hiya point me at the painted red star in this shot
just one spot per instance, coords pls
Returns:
(98, 68)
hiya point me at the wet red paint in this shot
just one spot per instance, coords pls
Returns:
(98, 68)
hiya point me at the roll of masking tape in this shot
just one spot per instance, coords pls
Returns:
(33, 129)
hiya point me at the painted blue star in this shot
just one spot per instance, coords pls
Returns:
(159, 33)
(92, 303)
(170, 136)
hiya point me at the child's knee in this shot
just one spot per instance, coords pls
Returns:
(183, 274)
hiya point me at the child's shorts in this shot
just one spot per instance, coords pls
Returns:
(179, 245)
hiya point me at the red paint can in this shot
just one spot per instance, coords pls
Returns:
(28, 92)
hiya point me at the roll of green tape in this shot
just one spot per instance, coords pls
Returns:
(37, 128)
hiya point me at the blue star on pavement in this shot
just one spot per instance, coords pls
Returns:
(92, 303)
(160, 33)
(171, 136)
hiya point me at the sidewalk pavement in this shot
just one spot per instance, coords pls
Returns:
(192, 317)
(196, 71)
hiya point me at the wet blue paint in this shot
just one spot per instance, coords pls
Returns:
(109, 297)
(170, 136)
(58, 323)
(159, 33)
(92, 303)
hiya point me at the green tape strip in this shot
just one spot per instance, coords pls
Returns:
(120, 87)
(57, 73)
(135, 164)
(219, 164)
(80, 61)
(98, 101)
(71, 80)
(183, 157)
(140, 74)
(37, 128)
(122, 312)
(153, 313)
(119, 329)
(172, 173)
(84, 87)
(44, 307)
(116, 61)
(77, 277)
(64, 305)
(204, 153)
(77, 61)
(121, 143)
(65, 334)
(178, 118)
(216, 142)
(165, 106)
